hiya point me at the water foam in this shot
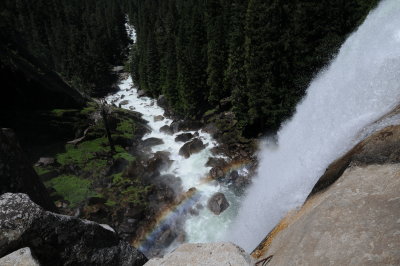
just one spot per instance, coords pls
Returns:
(361, 84)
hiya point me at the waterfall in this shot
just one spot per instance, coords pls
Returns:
(359, 86)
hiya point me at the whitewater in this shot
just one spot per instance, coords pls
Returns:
(358, 87)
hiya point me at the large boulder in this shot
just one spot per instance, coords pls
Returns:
(184, 137)
(185, 125)
(162, 101)
(213, 254)
(354, 222)
(167, 130)
(158, 118)
(192, 147)
(21, 257)
(150, 142)
(59, 239)
(17, 174)
(160, 161)
(218, 203)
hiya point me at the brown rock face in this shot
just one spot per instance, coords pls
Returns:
(354, 222)
(379, 148)
(218, 203)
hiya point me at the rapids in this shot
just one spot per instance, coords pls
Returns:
(206, 226)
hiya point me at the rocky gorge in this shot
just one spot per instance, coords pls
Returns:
(129, 187)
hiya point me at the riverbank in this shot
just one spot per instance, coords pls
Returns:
(155, 186)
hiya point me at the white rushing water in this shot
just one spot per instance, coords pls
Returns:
(361, 84)
(206, 226)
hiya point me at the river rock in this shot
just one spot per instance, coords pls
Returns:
(218, 203)
(221, 253)
(58, 239)
(150, 142)
(167, 130)
(124, 102)
(21, 257)
(45, 161)
(216, 162)
(162, 101)
(216, 172)
(185, 125)
(158, 118)
(118, 69)
(141, 93)
(184, 137)
(192, 147)
(160, 161)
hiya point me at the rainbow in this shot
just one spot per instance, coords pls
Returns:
(173, 213)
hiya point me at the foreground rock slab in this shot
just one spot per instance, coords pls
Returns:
(211, 254)
(355, 222)
(58, 239)
(21, 257)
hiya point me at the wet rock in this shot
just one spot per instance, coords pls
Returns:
(234, 175)
(141, 93)
(158, 118)
(45, 161)
(122, 96)
(211, 129)
(118, 69)
(60, 239)
(185, 125)
(175, 126)
(167, 130)
(216, 162)
(184, 137)
(124, 102)
(160, 161)
(192, 147)
(194, 212)
(134, 212)
(150, 142)
(162, 102)
(21, 257)
(216, 172)
(218, 203)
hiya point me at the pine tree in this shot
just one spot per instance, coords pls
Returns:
(216, 51)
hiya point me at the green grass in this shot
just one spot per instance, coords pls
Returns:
(110, 203)
(62, 112)
(72, 188)
(136, 194)
(126, 128)
(83, 153)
